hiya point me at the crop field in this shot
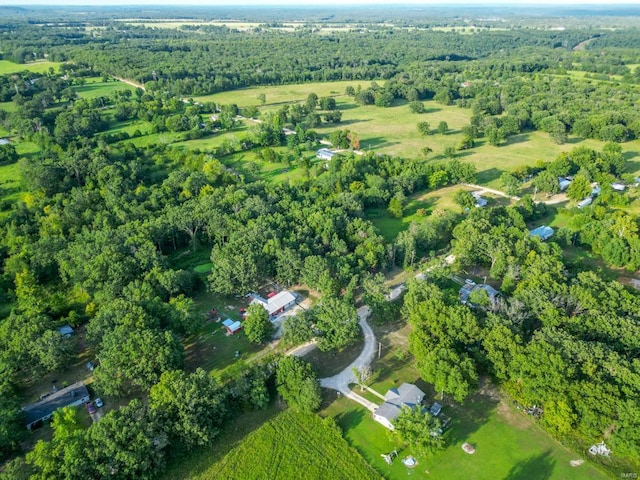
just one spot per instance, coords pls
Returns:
(292, 446)
(39, 67)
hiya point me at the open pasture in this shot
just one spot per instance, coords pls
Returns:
(8, 67)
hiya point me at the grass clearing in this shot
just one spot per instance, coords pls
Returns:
(393, 130)
(287, 446)
(41, 66)
(95, 87)
(281, 94)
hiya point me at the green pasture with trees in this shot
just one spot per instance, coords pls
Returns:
(143, 217)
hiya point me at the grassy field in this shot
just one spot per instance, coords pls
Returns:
(95, 87)
(7, 67)
(291, 446)
(389, 226)
(508, 444)
(280, 94)
(393, 130)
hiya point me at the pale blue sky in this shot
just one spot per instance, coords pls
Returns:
(319, 2)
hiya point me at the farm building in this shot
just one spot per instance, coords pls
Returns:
(584, 202)
(468, 288)
(277, 303)
(563, 183)
(618, 187)
(65, 331)
(232, 326)
(543, 232)
(325, 154)
(41, 411)
(407, 395)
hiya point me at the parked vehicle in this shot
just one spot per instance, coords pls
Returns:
(98, 402)
(91, 408)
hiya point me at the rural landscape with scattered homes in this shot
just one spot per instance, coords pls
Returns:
(320, 242)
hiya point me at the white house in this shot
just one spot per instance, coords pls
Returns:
(407, 395)
(275, 304)
(325, 154)
(71, 396)
(619, 187)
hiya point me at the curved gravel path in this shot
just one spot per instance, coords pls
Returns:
(341, 381)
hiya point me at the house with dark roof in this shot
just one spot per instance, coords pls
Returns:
(71, 396)
(406, 395)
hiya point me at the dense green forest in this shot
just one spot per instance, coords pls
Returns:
(95, 229)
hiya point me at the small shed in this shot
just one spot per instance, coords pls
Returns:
(542, 232)
(66, 331)
(618, 187)
(480, 200)
(231, 326)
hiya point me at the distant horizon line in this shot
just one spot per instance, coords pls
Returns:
(367, 4)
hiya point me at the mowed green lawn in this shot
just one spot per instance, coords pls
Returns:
(7, 67)
(508, 445)
(292, 446)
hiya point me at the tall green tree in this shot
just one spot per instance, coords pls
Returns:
(297, 384)
(257, 325)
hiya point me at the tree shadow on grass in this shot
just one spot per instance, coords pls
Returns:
(468, 417)
(350, 419)
(352, 121)
(519, 138)
(538, 467)
(489, 175)
(376, 142)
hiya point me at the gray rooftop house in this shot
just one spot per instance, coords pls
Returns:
(407, 395)
(41, 411)
(469, 288)
(543, 232)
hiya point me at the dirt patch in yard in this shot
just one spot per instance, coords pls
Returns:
(513, 417)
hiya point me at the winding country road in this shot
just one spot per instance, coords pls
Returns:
(341, 381)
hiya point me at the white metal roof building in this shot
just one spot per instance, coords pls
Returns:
(276, 304)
